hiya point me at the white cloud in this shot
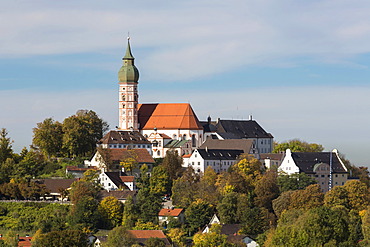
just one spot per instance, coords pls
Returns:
(191, 39)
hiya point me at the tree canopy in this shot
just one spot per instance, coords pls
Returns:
(297, 145)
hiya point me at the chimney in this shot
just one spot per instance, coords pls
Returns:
(207, 149)
(209, 119)
(250, 117)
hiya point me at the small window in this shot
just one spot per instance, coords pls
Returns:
(198, 163)
(158, 153)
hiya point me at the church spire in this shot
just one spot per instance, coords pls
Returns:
(128, 54)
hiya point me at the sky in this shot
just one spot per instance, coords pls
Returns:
(300, 68)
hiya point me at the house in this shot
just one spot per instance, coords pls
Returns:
(239, 129)
(125, 140)
(22, 241)
(165, 214)
(56, 186)
(111, 158)
(219, 159)
(271, 160)
(232, 232)
(116, 181)
(143, 235)
(100, 241)
(326, 167)
(120, 195)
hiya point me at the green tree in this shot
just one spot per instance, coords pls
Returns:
(48, 137)
(173, 164)
(6, 150)
(63, 238)
(297, 145)
(282, 203)
(111, 211)
(207, 189)
(295, 181)
(149, 205)
(120, 237)
(130, 213)
(213, 238)
(184, 189)
(227, 208)
(338, 196)
(82, 131)
(7, 169)
(84, 214)
(31, 165)
(155, 242)
(198, 215)
(160, 182)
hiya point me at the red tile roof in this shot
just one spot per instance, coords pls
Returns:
(186, 155)
(147, 233)
(167, 116)
(127, 178)
(142, 155)
(24, 241)
(170, 212)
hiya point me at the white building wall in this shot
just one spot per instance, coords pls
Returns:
(287, 165)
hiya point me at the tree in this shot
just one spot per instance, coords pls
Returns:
(62, 238)
(31, 165)
(297, 145)
(227, 208)
(130, 162)
(338, 196)
(82, 131)
(160, 182)
(282, 203)
(120, 237)
(130, 213)
(184, 188)
(84, 214)
(149, 205)
(173, 164)
(48, 137)
(6, 150)
(266, 190)
(198, 214)
(177, 236)
(310, 197)
(111, 211)
(155, 242)
(295, 181)
(207, 189)
(358, 194)
(250, 168)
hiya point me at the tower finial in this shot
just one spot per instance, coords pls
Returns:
(128, 35)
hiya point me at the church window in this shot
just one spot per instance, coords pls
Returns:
(123, 97)
(193, 140)
(123, 89)
(155, 143)
(123, 105)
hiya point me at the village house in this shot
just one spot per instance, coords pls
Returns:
(166, 213)
(326, 167)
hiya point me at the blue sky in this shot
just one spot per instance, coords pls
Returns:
(301, 68)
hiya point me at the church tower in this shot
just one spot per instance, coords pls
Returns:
(128, 77)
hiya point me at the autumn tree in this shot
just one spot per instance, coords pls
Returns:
(207, 188)
(250, 168)
(130, 162)
(173, 164)
(213, 238)
(310, 197)
(338, 196)
(266, 190)
(297, 145)
(358, 194)
(48, 137)
(111, 211)
(62, 238)
(6, 150)
(160, 182)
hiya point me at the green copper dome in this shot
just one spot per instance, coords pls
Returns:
(128, 71)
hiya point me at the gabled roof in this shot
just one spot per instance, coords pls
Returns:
(56, 185)
(307, 161)
(123, 137)
(170, 212)
(115, 177)
(272, 156)
(167, 116)
(140, 154)
(236, 144)
(176, 143)
(230, 229)
(142, 235)
(241, 129)
(219, 154)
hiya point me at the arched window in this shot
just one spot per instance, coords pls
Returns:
(158, 153)
(184, 137)
(155, 143)
(193, 141)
